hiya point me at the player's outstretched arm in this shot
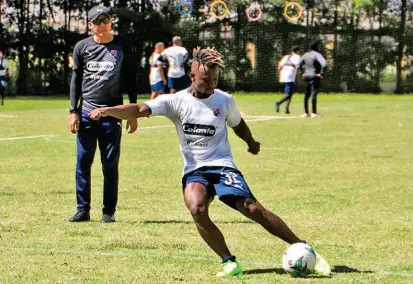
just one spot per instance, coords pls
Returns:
(242, 131)
(126, 112)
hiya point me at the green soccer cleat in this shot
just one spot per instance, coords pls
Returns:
(231, 268)
(321, 266)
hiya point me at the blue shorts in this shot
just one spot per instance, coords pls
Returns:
(178, 83)
(2, 89)
(220, 181)
(158, 87)
(3, 85)
(289, 87)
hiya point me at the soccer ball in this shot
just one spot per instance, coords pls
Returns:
(299, 260)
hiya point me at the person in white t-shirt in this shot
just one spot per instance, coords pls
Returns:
(287, 68)
(157, 78)
(176, 55)
(4, 75)
(201, 115)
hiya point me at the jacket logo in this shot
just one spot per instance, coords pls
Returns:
(198, 129)
(114, 52)
(217, 112)
(100, 66)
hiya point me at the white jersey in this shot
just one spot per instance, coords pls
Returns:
(155, 75)
(3, 62)
(289, 65)
(176, 55)
(201, 125)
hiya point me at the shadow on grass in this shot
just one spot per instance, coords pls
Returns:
(335, 269)
(265, 271)
(191, 222)
(346, 269)
(279, 271)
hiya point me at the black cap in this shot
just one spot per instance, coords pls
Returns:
(314, 45)
(97, 11)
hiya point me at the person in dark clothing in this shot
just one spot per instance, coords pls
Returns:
(313, 64)
(4, 75)
(103, 69)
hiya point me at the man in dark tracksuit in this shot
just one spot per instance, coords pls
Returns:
(314, 65)
(4, 74)
(102, 64)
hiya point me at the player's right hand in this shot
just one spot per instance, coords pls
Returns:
(254, 147)
(74, 122)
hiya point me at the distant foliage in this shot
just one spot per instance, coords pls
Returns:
(361, 40)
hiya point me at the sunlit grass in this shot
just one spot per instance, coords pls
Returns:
(343, 182)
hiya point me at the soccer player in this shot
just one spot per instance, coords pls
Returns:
(4, 75)
(176, 55)
(314, 64)
(156, 75)
(103, 68)
(288, 71)
(201, 115)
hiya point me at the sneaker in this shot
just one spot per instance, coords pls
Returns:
(277, 107)
(305, 115)
(80, 216)
(231, 268)
(287, 111)
(314, 115)
(321, 265)
(106, 218)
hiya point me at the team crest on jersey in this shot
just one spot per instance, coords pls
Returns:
(217, 112)
(114, 52)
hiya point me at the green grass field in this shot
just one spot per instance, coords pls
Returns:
(343, 182)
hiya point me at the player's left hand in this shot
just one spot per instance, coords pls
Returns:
(254, 147)
(132, 125)
(97, 113)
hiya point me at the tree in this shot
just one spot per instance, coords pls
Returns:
(400, 47)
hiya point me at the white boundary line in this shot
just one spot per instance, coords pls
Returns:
(27, 137)
(7, 115)
(155, 127)
(160, 255)
(247, 119)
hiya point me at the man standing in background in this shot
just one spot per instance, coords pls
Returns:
(157, 78)
(314, 65)
(103, 68)
(176, 55)
(4, 76)
(287, 68)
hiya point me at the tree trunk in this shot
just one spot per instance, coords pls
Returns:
(66, 47)
(40, 67)
(240, 68)
(87, 19)
(23, 58)
(400, 49)
(1, 24)
(336, 64)
(124, 23)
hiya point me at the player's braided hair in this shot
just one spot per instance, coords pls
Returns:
(208, 57)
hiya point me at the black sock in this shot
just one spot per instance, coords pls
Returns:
(227, 258)
(286, 97)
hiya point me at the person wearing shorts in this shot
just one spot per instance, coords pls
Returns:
(202, 115)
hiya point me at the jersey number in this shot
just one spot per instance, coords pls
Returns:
(231, 179)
